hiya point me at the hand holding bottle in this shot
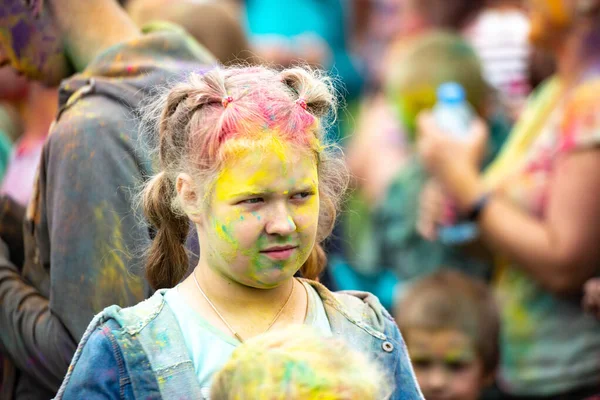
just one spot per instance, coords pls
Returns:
(451, 144)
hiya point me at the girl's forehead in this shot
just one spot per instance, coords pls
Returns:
(263, 170)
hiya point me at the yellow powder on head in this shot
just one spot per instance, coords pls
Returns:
(253, 151)
(298, 363)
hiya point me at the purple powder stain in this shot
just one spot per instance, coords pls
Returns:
(30, 23)
(20, 37)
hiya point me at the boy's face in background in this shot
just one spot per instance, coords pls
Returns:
(446, 364)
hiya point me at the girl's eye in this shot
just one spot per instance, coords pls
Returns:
(457, 366)
(422, 363)
(255, 200)
(301, 195)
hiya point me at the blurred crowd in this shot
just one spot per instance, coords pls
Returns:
(510, 312)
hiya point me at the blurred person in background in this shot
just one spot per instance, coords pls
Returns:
(82, 237)
(406, 21)
(499, 35)
(422, 15)
(28, 108)
(215, 24)
(537, 208)
(311, 31)
(37, 112)
(451, 326)
(13, 91)
(382, 27)
(383, 250)
(11, 87)
(380, 146)
(498, 31)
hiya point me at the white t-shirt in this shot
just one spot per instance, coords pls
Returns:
(210, 348)
(501, 39)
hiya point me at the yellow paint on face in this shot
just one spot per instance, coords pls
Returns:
(266, 195)
(446, 346)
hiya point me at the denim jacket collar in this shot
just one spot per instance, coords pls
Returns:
(358, 308)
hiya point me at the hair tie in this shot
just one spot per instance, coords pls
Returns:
(226, 100)
(302, 103)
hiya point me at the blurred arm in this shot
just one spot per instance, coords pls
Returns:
(32, 337)
(561, 252)
(91, 26)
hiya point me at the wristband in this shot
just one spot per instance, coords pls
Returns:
(477, 208)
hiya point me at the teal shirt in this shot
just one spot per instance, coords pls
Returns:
(5, 149)
(324, 18)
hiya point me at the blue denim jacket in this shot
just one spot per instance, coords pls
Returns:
(139, 352)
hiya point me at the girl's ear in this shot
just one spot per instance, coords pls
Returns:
(188, 197)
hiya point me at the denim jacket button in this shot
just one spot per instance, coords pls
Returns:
(387, 347)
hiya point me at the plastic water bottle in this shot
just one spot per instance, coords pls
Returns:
(452, 112)
(454, 115)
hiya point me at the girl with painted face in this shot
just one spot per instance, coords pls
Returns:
(241, 155)
(537, 207)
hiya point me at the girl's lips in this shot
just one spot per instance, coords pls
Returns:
(279, 254)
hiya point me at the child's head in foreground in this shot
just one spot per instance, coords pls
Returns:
(241, 155)
(298, 364)
(450, 324)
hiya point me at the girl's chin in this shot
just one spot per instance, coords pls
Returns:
(269, 279)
